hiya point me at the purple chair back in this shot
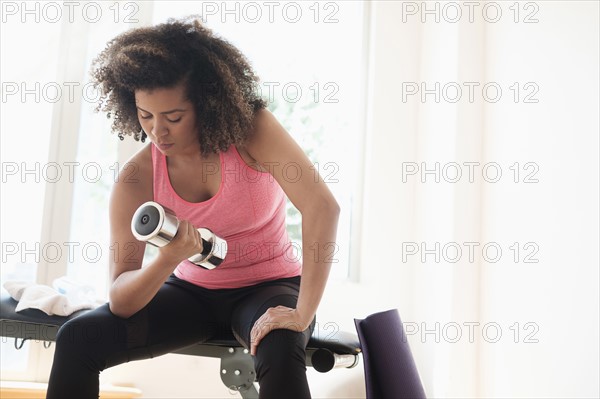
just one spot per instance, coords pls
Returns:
(390, 370)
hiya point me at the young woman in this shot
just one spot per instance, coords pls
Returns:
(219, 159)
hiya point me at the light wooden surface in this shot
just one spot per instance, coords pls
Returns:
(35, 390)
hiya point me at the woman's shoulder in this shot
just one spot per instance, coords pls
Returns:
(143, 158)
(265, 137)
(262, 121)
(262, 118)
(135, 176)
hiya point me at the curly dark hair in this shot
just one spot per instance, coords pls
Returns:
(219, 80)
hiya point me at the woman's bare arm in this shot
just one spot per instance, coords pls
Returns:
(272, 146)
(131, 286)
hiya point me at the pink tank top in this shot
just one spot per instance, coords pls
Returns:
(248, 212)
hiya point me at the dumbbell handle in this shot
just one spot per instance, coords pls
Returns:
(157, 225)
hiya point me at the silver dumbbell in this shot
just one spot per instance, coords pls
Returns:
(158, 225)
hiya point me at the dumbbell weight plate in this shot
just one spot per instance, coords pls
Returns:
(148, 219)
(154, 223)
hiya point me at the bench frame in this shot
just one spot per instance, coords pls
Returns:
(236, 369)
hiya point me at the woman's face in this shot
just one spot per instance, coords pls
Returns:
(168, 119)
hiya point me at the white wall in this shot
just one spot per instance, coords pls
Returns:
(560, 213)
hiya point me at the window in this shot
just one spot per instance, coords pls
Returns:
(42, 96)
(309, 58)
(25, 126)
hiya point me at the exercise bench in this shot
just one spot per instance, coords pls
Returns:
(326, 349)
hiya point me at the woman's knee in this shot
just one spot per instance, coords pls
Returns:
(90, 338)
(282, 348)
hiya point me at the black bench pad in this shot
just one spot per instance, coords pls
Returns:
(37, 325)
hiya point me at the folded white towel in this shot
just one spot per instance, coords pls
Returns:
(48, 300)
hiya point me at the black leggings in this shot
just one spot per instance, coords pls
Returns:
(179, 315)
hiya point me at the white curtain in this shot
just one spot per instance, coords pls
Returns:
(522, 322)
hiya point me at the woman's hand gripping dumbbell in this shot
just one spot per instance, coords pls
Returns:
(158, 225)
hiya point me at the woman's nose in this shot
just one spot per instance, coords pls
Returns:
(159, 129)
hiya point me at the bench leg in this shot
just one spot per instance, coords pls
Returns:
(250, 393)
(237, 372)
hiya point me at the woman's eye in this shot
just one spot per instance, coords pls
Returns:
(174, 121)
(146, 117)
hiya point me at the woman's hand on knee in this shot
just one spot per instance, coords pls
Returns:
(276, 318)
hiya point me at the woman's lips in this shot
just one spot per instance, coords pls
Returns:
(164, 146)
